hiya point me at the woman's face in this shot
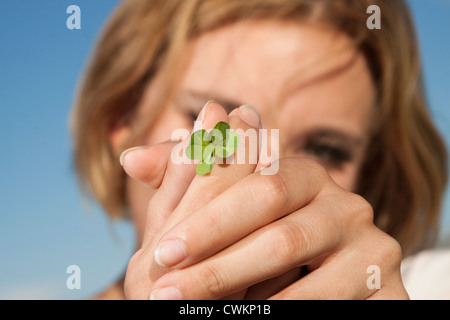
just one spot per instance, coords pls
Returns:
(307, 82)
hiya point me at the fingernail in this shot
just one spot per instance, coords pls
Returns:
(201, 116)
(169, 293)
(250, 115)
(170, 252)
(124, 153)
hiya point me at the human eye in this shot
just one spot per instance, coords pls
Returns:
(331, 148)
(329, 155)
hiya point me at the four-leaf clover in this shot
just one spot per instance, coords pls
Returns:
(204, 146)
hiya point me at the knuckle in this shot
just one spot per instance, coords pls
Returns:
(352, 208)
(213, 281)
(363, 208)
(272, 190)
(392, 250)
(387, 251)
(387, 254)
(290, 241)
(359, 208)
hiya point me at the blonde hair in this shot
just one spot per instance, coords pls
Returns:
(405, 170)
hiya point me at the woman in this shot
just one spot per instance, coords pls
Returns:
(360, 172)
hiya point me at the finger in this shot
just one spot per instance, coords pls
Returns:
(245, 120)
(267, 288)
(285, 244)
(180, 172)
(147, 164)
(351, 275)
(339, 279)
(270, 150)
(365, 269)
(250, 204)
(204, 188)
(178, 175)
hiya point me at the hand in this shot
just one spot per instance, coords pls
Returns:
(256, 230)
(151, 166)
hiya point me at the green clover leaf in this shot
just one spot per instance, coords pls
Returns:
(197, 144)
(204, 146)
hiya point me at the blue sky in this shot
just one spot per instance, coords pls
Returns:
(44, 225)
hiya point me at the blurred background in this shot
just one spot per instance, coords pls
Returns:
(45, 225)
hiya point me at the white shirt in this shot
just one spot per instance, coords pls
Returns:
(426, 275)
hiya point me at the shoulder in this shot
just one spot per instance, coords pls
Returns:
(426, 275)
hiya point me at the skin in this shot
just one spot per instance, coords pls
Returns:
(238, 233)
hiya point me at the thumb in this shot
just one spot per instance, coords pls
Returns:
(147, 164)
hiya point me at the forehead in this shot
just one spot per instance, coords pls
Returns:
(282, 68)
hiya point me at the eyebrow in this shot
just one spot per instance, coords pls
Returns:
(192, 98)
